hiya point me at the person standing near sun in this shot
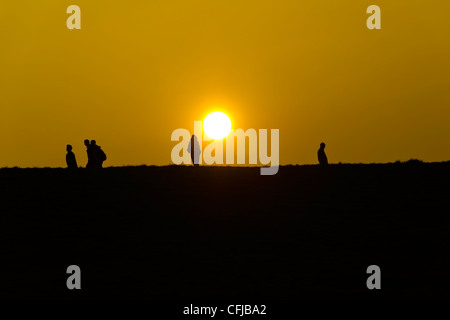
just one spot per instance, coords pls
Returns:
(217, 125)
(194, 150)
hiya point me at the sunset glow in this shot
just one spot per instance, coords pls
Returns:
(217, 125)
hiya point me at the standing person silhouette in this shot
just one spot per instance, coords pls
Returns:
(70, 158)
(99, 154)
(194, 150)
(322, 157)
(90, 154)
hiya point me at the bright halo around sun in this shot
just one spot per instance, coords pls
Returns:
(217, 125)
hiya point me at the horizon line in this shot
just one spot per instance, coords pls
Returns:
(244, 166)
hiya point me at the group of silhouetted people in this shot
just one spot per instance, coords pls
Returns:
(95, 155)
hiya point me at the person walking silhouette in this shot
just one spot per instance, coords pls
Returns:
(70, 158)
(322, 157)
(99, 154)
(90, 154)
(194, 150)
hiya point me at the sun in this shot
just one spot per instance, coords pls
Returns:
(217, 125)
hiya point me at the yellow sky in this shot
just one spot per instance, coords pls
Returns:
(137, 70)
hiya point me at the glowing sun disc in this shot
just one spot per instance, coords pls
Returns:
(217, 125)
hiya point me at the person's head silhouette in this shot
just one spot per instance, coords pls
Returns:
(86, 143)
(322, 145)
(69, 148)
(93, 142)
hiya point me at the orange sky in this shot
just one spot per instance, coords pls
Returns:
(137, 70)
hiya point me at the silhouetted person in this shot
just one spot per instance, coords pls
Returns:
(323, 161)
(70, 158)
(90, 154)
(99, 154)
(194, 150)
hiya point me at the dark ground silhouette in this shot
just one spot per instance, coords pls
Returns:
(305, 232)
